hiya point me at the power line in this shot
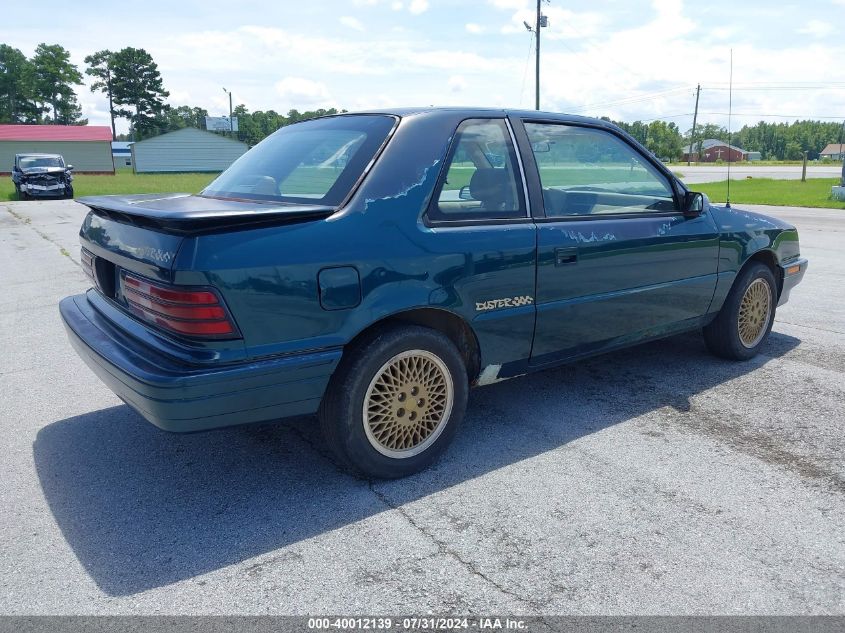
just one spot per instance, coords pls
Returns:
(777, 88)
(666, 116)
(631, 100)
(780, 83)
(594, 43)
(806, 117)
(525, 72)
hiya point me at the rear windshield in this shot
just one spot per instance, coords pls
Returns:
(30, 162)
(314, 162)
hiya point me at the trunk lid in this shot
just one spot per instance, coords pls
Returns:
(143, 233)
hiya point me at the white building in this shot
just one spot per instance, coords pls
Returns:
(186, 150)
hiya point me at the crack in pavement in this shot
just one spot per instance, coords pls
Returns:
(445, 550)
(28, 223)
(809, 327)
(442, 547)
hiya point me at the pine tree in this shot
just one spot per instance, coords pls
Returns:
(137, 84)
(53, 79)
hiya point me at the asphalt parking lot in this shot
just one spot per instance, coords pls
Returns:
(658, 480)
(694, 174)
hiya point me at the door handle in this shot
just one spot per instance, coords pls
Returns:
(564, 256)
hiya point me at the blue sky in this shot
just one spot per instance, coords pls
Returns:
(634, 59)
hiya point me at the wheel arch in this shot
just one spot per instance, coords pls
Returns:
(769, 259)
(455, 327)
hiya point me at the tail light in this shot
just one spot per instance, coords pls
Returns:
(184, 311)
(87, 260)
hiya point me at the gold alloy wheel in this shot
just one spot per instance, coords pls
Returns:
(755, 310)
(408, 404)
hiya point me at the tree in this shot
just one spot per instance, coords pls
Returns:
(185, 116)
(136, 83)
(100, 67)
(16, 94)
(256, 126)
(53, 79)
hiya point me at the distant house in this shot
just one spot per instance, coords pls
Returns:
(188, 149)
(754, 156)
(835, 151)
(713, 150)
(86, 147)
(121, 153)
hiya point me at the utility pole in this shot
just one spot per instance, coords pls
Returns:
(537, 69)
(694, 120)
(231, 125)
(841, 155)
(542, 21)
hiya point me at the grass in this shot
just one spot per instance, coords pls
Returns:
(815, 192)
(560, 175)
(124, 181)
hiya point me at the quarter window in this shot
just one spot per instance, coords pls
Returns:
(585, 171)
(481, 179)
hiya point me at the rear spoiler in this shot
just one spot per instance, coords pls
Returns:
(183, 213)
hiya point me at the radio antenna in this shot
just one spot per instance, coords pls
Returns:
(730, 138)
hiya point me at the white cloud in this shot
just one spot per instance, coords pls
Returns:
(724, 32)
(418, 6)
(352, 23)
(457, 83)
(303, 93)
(510, 4)
(181, 97)
(589, 57)
(473, 28)
(817, 28)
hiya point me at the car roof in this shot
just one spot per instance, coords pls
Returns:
(468, 112)
(40, 155)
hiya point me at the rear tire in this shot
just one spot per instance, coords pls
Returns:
(395, 402)
(745, 320)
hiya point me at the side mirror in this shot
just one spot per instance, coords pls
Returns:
(464, 193)
(541, 147)
(70, 167)
(693, 203)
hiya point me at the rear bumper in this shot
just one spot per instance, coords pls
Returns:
(185, 398)
(791, 279)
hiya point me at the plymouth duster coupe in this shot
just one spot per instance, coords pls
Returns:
(371, 267)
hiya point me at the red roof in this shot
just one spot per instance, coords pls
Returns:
(55, 133)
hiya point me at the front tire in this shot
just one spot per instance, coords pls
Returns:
(395, 402)
(746, 318)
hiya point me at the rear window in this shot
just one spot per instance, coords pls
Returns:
(314, 162)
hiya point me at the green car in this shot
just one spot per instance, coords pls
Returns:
(372, 267)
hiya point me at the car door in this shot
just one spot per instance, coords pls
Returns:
(481, 240)
(617, 259)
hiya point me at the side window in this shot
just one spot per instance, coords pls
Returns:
(585, 171)
(482, 179)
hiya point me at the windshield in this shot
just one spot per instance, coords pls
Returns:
(314, 162)
(30, 162)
